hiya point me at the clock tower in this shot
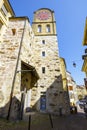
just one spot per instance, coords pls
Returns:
(44, 22)
(47, 63)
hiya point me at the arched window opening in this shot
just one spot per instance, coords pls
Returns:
(39, 28)
(48, 28)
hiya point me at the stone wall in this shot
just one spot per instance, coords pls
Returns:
(51, 81)
(50, 85)
(9, 51)
(20, 45)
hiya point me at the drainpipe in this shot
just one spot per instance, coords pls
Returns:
(12, 90)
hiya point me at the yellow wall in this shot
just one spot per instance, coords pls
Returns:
(85, 34)
(84, 66)
(4, 18)
(63, 71)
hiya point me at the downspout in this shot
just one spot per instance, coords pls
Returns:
(9, 110)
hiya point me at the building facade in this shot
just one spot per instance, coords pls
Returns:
(6, 11)
(84, 56)
(72, 89)
(47, 62)
(30, 65)
(81, 91)
(64, 73)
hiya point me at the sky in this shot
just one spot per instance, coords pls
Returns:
(70, 16)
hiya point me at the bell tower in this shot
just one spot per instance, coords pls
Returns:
(47, 62)
(44, 22)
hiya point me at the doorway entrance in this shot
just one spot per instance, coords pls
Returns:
(43, 103)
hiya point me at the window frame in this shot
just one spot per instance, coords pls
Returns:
(43, 70)
(43, 41)
(43, 54)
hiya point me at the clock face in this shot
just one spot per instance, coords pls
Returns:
(43, 15)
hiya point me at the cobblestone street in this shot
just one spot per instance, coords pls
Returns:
(72, 122)
(42, 122)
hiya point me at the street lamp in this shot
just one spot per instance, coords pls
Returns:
(74, 64)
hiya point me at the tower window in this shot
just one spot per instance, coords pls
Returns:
(43, 53)
(1, 24)
(39, 28)
(4, 10)
(48, 28)
(43, 70)
(43, 41)
(14, 31)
